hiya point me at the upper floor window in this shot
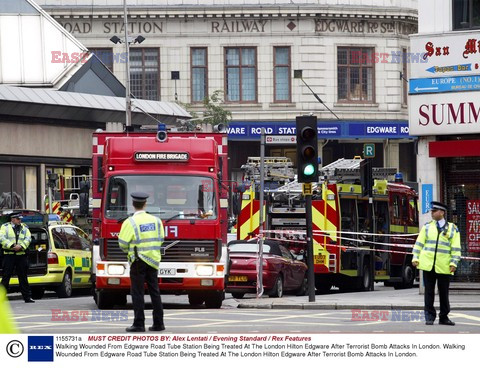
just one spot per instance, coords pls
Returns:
(105, 55)
(281, 65)
(466, 14)
(241, 74)
(355, 67)
(199, 75)
(145, 73)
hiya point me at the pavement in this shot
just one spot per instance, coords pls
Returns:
(382, 298)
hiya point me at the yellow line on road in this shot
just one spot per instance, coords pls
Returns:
(466, 316)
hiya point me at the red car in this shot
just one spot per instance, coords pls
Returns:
(281, 271)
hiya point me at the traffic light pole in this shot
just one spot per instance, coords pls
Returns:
(307, 173)
(370, 228)
(260, 238)
(310, 271)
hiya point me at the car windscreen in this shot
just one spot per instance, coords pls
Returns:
(170, 196)
(249, 248)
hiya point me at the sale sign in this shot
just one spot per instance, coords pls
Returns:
(473, 225)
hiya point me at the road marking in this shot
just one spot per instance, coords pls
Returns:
(466, 316)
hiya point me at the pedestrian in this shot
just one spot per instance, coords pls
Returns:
(141, 237)
(15, 238)
(437, 253)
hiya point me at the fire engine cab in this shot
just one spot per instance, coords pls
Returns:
(345, 238)
(182, 175)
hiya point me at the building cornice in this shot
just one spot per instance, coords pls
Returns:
(232, 12)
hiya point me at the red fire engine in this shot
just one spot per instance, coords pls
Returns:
(342, 243)
(183, 176)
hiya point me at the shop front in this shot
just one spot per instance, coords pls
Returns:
(459, 164)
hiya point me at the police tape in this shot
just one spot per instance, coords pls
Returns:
(323, 234)
(351, 248)
(362, 241)
(303, 232)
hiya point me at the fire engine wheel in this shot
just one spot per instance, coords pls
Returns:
(38, 292)
(121, 300)
(408, 277)
(105, 301)
(238, 295)
(366, 278)
(322, 284)
(277, 290)
(65, 289)
(214, 300)
(196, 299)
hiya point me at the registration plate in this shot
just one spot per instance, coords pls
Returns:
(237, 278)
(319, 260)
(166, 271)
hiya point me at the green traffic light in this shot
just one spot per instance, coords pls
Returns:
(309, 170)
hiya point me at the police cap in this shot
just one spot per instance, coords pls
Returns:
(139, 196)
(16, 215)
(438, 205)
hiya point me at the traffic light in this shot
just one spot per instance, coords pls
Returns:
(307, 149)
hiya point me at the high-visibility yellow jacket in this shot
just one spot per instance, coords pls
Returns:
(7, 238)
(7, 324)
(142, 236)
(441, 249)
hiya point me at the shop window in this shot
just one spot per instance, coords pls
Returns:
(241, 74)
(145, 73)
(355, 74)
(31, 187)
(466, 14)
(18, 187)
(199, 73)
(281, 66)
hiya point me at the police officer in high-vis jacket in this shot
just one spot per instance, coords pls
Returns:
(437, 253)
(141, 237)
(15, 238)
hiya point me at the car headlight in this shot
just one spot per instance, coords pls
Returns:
(115, 269)
(204, 270)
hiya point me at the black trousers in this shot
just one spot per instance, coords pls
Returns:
(16, 264)
(141, 273)
(430, 277)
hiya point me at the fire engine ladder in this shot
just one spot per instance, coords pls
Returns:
(343, 170)
(277, 169)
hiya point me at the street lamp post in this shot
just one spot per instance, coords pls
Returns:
(116, 40)
(128, 101)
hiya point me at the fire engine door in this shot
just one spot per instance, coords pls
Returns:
(380, 227)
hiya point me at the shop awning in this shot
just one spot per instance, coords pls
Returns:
(53, 104)
(452, 149)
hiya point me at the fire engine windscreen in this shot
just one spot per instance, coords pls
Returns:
(170, 196)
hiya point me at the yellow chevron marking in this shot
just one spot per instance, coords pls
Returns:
(319, 221)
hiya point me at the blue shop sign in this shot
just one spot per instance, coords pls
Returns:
(329, 130)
